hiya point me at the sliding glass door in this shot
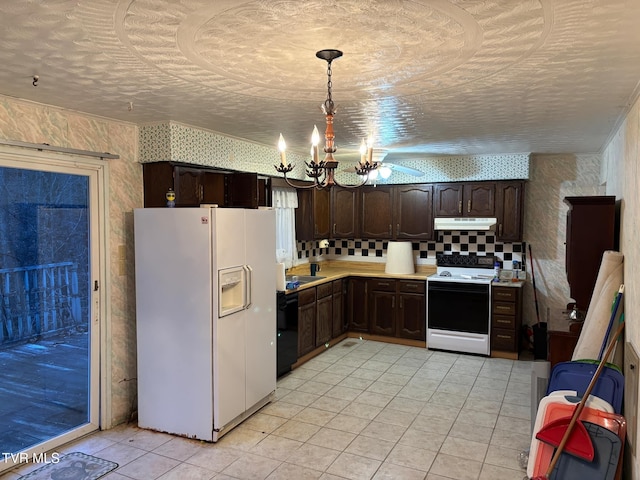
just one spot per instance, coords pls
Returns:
(49, 326)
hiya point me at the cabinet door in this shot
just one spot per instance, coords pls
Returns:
(413, 210)
(357, 305)
(321, 213)
(447, 200)
(344, 212)
(479, 199)
(338, 325)
(324, 322)
(188, 186)
(304, 216)
(382, 308)
(412, 318)
(306, 321)
(376, 212)
(157, 178)
(242, 190)
(509, 203)
(214, 188)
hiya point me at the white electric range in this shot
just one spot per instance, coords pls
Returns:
(459, 303)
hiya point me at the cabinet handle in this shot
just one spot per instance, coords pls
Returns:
(460, 206)
(468, 206)
(500, 307)
(505, 337)
(383, 284)
(334, 228)
(201, 192)
(500, 230)
(390, 229)
(503, 321)
(397, 228)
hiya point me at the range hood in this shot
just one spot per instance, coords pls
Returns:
(464, 223)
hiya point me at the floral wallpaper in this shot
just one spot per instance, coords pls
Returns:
(181, 143)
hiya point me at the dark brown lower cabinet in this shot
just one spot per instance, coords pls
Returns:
(382, 306)
(506, 318)
(357, 305)
(324, 309)
(339, 326)
(306, 321)
(411, 315)
(397, 308)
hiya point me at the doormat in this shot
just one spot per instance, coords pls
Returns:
(73, 466)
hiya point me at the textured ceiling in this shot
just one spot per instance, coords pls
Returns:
(426, 77)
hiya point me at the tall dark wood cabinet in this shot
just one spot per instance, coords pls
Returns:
(590, 232)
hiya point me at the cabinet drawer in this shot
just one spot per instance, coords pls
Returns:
(503, 340)
(504, 321)
(382, 285)
(502, 308)
(337, 286)
(306, 296)
(407, 286)
(505, 294)
(324, 290)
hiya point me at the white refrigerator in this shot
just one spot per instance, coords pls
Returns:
(206, 317)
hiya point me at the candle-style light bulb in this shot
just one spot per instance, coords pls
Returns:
(363, 153)
(315, 140)
(370, 149)
(282, 146)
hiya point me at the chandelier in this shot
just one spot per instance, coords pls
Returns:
(322, 172)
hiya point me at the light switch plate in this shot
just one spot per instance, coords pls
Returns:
(631, 368)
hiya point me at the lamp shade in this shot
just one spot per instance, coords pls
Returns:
(399, 258)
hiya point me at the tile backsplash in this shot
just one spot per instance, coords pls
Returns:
(465, 243)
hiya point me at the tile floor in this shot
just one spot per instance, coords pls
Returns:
(360, 410)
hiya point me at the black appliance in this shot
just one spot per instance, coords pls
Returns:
(287, 339)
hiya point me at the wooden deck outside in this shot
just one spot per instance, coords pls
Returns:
(44, 390)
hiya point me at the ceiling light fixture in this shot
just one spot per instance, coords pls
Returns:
(322, 173)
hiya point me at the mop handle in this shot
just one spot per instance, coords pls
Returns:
(583, 402)
(614, 310)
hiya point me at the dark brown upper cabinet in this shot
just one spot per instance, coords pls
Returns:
(464, 199)
(413, 212)
(344, 212)
(377, 212)
(313, 214)
(509, 208)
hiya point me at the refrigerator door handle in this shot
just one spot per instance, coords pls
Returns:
(247, 283)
